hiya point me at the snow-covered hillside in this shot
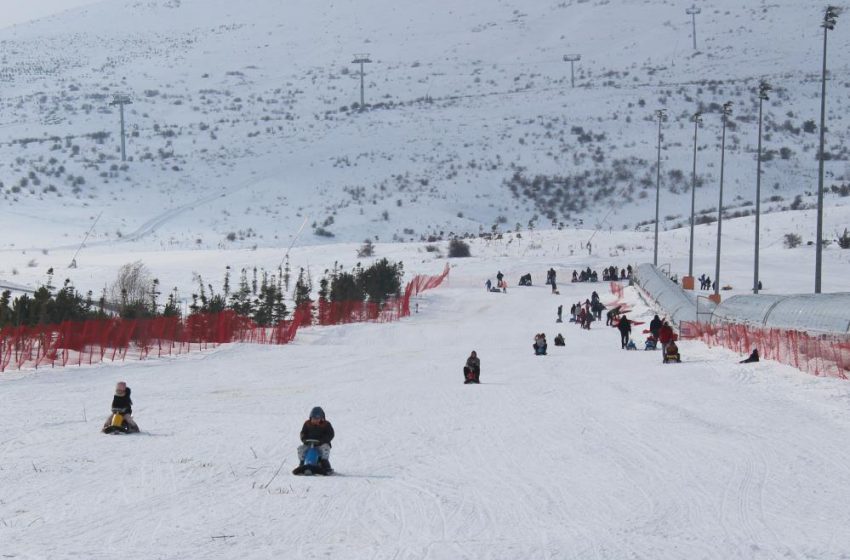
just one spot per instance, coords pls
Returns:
(589, 452)
(245, 117)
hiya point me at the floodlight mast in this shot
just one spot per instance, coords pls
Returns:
(572, 59)
(764, 88)
(693, 11)
(726, 111)
(122, 99)
(361, 59)
(697, 118)
(661, 115)
(829, 19)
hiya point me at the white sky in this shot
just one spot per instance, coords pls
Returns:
(20, 11)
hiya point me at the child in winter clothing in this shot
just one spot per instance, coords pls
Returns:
(540, 344)
(122, 403)
(754, 357)
(671, 353)
(317, 428)
(472, 369)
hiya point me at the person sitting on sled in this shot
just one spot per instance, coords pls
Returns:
(472, 369)
(121, 401)
(559, 340)
(754, 357)
(671, 353)
(317, 428)
(540, 344)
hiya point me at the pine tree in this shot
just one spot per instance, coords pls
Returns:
(5, 310)
(172, 306)
(302, 289)
(227, 282)
(287, 273)
(155, 293)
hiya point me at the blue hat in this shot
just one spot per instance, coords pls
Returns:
(317, 412)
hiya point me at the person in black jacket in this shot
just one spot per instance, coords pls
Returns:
(754, 357)
(121, 402)
(655, 326)
(472, 369)
(625, 327)
(318, 428)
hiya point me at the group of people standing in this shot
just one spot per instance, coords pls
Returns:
(583, 314)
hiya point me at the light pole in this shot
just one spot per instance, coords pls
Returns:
(361, 59)
(121, 99)
(764, 87)
(572, 59)
(828, 24)
(727, 110)
(693, 11)
(660, 115)
(697, 118)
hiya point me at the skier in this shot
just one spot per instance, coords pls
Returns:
(560, 314)
(472, 369)
(625, 328)
(317, 428)
(121, 401)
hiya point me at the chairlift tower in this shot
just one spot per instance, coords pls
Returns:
(121, 99)
(572, 59)
(361, 59)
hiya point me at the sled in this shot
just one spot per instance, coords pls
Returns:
(118, 426)
(312, 461)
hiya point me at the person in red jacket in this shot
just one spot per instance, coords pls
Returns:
(665, 337)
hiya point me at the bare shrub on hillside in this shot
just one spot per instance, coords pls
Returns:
(458, 248)
(844, 240)
(792, 240)
(132, 284)
(367, 249)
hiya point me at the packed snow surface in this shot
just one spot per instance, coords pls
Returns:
(588, 452)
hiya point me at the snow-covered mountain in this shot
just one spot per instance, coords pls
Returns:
(245, 117)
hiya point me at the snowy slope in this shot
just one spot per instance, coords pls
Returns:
(589, 452)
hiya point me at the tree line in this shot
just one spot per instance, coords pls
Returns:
(259, 295)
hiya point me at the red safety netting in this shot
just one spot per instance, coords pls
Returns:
(90, 342)
(822, 355)
(617, 290)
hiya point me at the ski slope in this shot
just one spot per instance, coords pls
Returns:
(589, 452)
